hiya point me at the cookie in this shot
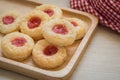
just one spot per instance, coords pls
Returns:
(10, 22)
(32, 24)
(17, 46)
(79, 26)
(59, 32)
(51, 10)
(46, 55)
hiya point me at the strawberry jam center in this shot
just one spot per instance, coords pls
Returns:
(49, 12)
(7, 20)
(19, 41)
(60, 29)
(50, 50)
(74, 24)
(34, 22)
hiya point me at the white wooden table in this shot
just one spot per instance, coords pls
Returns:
(101, 60)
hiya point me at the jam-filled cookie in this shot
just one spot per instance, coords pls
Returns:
(59, 32)
(32, 24)
(47, 55)
(10, 22)
(52, 10)
(17, 46)
(79, 26)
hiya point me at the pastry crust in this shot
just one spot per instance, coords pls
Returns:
(59, 39)
(14, 52)
(35, 33)
(57, 12)
(48, 61)
(14, 26)
(79, 26)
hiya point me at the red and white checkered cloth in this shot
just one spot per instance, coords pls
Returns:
(108, 11)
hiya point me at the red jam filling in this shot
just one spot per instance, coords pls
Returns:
(34, 22)
(19, 41)
(49, 12)
(8, 20)
(50, 50)
(74, 24)
(60, 29)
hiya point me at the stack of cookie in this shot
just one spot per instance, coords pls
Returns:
(43, 32)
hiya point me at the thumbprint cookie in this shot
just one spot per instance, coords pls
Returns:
(17, 46)
(79, 26)
(9, 22)
(59, 32)
(32, 24)
(46, 55)
(51, 10)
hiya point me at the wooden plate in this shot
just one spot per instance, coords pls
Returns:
(74, 51)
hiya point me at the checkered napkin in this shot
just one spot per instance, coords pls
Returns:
(108, 11)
